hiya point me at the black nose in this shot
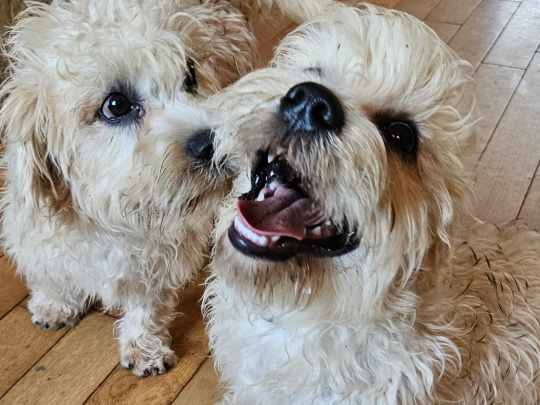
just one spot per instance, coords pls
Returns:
(201, 145)
(311, 108)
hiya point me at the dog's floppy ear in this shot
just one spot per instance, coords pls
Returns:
(25, 121)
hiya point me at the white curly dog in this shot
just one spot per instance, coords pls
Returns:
(110, 191)
(343, 271)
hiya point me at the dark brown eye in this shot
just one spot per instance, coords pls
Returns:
(190, 82)
(116, 106)
(402, 136)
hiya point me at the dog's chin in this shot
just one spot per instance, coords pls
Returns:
(278, 220)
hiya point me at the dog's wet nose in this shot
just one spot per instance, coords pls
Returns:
(201, 145)
(311, 108)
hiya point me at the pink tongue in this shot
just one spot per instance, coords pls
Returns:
(285, 213)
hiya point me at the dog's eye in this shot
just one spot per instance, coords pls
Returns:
(401, 135)
(190, 82)
(116, 106)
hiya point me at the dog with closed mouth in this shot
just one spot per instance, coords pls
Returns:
(343, 272)
(110, 191)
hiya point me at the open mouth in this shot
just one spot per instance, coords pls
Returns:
(277, 219)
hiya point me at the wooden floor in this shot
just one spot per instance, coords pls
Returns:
(500, 38)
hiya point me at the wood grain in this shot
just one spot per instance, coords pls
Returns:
(484, 25)
(72, 369)
(266, 51)
(530, 211)
(203, 389)
(453, 12)
(8, 10)
(418, 8)
(189, 343)
(445, 31)
(265, 28)
(382, 3)
(518, 43)
(22, 344)
(12, 288)
(495, 86)
(506, 169)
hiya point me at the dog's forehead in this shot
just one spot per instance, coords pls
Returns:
(366, 43)
(381, 58)
(91, 23)
(94, 45)
(369, 34)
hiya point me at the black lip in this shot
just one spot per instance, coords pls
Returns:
(338, 245)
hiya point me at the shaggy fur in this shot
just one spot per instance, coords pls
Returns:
(424, 310)
(118, 210)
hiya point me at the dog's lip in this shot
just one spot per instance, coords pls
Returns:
(277, 219)
(286, 248)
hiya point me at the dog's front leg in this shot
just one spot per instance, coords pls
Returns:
(144, 336)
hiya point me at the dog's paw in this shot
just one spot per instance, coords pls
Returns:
(51, 317)
(53, 322)
(143, 365)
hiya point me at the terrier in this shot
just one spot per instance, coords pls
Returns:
(109, 188)
(342, 273)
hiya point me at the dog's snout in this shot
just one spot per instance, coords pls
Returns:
(311, 108)
(201, 145)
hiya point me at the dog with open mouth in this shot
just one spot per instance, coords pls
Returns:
(344, 269)
(110, 191)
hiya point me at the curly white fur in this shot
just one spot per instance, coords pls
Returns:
(425, 310)
(116, 211)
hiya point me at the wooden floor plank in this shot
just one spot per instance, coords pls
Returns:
(445, 31)
(12, 288)
(203, 389)
(266, 52)
(72, 369)
(505, 170)
(382, 3)
(418, 8)
(484, 25)
(520, 39)
(266, 28)
(530, 211)
(24, 302)
(22, 344)
(495, 86)
(453, 12)
(190, 344)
